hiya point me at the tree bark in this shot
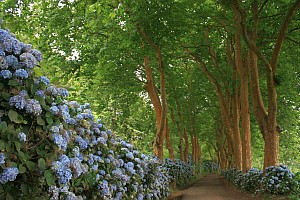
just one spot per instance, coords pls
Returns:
(168, 141)
(159, 139)
(267, 120)
(242, 68)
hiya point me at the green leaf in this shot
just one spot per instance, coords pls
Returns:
(21, 156)
(6, 96)
(18, 145)
(40, 121)
(24, 188)
(22, 169)
(15, 117)
(12, 164)
(8, 147)
(9, 197)
(2, 144)
(50, 179)
(13, 83)
(49, 120)
(3, 127)
(42, 164)
(49, 114)
(31, 165)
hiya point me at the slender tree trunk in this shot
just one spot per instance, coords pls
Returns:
(179, 131)
(159, 139)
(245, 113)
(168, 141)
(153, 94)
(236, 122)
(242, 68)
(186, 145)
(185, 136)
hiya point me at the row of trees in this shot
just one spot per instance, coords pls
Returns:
(203, 77)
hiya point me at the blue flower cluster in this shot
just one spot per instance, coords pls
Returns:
(75, 154)
(277, 180)
(182, 173)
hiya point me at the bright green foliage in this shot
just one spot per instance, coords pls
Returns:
(109, 71)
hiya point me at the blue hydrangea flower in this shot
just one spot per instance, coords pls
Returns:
(9, 174)
(28, 60)
(63, 172)
(81, 142)
(74, 104)
(37, 54)
(54, 110)
(104, 188)
(52, 90)
(21, 73)
(63, 92)
(43, 79)
(33, 106)
(18, 101)
(3, 63)
(12, 62)
(6, 74)
(22, 137)
(40, 93)
(2, 159)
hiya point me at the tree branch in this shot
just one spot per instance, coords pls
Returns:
(281, 34)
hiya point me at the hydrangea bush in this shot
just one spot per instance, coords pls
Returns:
(53, 148)
(182, 173)
(210, 166)
(277, 180)
(251, 180)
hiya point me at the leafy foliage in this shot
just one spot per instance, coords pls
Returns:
(54, 148)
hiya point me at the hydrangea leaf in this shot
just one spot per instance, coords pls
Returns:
(12, 164)
(31, 165)
(8, 147)
(49, 120)
(5, 96)
(50, 179)
(18, 145)
(42, 164)
(40, 121)
(21, 156)
(9, 197)
(22, 169)
(15, 117)
(3, 127)
(24, 188)
(2, 144)
(13, 83)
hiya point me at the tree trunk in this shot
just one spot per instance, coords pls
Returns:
(168, 141)
(159, 139)
(153, 94)
(242, 68)
(245, 114)
(236, 122)
(267, 120)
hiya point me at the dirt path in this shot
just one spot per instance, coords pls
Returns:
(211, 187)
